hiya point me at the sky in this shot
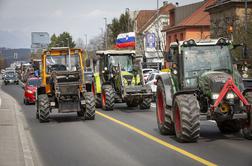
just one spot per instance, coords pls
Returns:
(18, 18)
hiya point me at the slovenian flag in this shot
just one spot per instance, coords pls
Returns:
(125, 40)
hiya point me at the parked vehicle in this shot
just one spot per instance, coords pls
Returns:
(10, 78)
(30, 89)
(202, 85)
(146, 73)
(152, 82)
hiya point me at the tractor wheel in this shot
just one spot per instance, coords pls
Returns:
(146, 103)
(229, 126)
(187, 118)
(132, 103)
(90, 106)
(164, 120)
(98, 101)
(43, 108)
(247, 130)
(108, 97)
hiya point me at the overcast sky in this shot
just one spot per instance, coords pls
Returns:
(18, 18)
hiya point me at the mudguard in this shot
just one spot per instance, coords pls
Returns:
(97, 81)
(168, 86)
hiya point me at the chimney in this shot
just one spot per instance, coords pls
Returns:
(165, 3)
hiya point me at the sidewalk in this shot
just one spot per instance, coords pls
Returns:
(14, 147)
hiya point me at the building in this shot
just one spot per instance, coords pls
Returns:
(188, 22)
(228, 13)
(151, 40)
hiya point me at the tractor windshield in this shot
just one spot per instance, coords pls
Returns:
(125, 62)
(199, 59)
(60, 63)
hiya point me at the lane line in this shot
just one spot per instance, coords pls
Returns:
(0, 102)
(159, 141)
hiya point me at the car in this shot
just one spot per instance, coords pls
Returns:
(30, 89)
(146, 73)
(152, 82)
(10, 77)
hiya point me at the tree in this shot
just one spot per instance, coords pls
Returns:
(80, 43)
(62, 40)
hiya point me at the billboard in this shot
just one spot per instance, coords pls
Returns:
(40, 39)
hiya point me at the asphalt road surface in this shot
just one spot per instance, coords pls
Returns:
(126, 137)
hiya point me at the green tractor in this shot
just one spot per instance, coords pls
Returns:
(120, 79)
(203, 85)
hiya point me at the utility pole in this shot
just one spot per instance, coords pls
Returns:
(69, 56)
(85, 41)
(246, 27)
(127, 12)
(106, 33)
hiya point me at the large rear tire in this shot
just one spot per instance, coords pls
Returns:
(229, 126)
(90, 106)
(108, 97)
(43, 108)
(187, 118)
(164, 121)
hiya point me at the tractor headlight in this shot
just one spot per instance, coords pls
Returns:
(29, 91)
(105, 68)
(215, 96)
(230, 96)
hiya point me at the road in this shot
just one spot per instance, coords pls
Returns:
(126, 137)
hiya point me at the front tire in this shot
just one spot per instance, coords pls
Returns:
(229, 126)
(90, 106)
(146, 103)
(187, 118)
(164, 121)
(108, 97)
(43, 108)
(247, 130)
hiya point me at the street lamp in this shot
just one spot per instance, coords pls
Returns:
(106, 33)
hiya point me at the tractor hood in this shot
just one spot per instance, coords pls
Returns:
(213, 81)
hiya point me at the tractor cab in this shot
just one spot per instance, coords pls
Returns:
(192, 59)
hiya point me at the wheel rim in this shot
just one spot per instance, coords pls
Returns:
(177, 120)
(160, 108)
(103, 99)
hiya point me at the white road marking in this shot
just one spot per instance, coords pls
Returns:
(0, 102)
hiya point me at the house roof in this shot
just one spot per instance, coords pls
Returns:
(198, 18)
(225, 3)
(164, 10)
(143, 17)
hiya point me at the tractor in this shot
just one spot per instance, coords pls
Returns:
(120, 79)
(203, 85)
(63, 86)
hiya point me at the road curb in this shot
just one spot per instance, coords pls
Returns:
(27, 153)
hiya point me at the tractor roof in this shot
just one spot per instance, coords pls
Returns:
(204, 42)
(65, 50)
(116, 52)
